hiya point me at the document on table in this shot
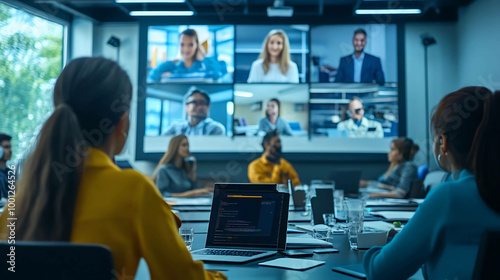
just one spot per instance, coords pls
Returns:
(394, 215)
(295, 264)
(305, 241)
(188, 201)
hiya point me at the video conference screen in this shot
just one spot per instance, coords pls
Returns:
(226, 86)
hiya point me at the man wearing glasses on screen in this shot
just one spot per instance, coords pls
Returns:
(357, 126)
(197, 104)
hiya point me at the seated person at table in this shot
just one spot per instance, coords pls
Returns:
(193, 60)
(175, 174)
(443, 236)
(402, 171)
(271, 167)
(71, 191)
(273, 121)
(357, 125)
(197, 104)
(5, 155)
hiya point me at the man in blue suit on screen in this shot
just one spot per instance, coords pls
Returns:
(360, 67)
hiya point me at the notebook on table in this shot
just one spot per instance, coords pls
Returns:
(245, 225)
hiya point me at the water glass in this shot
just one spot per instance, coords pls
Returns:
(338, 204)
(187, 235)
(321, 233)
(329, 219)
(354, 210)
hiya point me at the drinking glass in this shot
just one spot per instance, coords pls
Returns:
(329, 219)
(354, 210)
(338, 203)
(187, 235)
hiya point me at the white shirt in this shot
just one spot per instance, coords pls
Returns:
(358, 65)
(367, 128)
(274, 74)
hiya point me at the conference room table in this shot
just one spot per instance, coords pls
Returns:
(197, 217)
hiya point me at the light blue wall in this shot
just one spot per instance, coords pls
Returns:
(479, 44)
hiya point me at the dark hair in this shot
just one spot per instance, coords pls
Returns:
(458, 116)
(90, 97)
(270, 135)
(406, 147)
(485, 153)
(473, 136)
(193, 91)
(359, 31)
(277, 102)
(4, 137)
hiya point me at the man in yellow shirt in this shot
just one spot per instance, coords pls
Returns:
(271, 167)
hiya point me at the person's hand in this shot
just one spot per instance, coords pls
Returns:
(385, 187)
(200, 54)
(364, 183)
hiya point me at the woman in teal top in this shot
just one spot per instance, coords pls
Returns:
(444, 234)
(194, 63)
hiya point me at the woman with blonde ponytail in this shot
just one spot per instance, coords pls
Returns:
(70, 189)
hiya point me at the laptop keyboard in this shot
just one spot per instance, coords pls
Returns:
(221, 252)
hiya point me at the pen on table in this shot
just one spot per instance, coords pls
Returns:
(215, 269)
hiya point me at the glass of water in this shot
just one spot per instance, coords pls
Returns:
(354, 211)
(329, 219)
(187, 235)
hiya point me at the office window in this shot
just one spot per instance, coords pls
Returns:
(153, 112)
(31, 55)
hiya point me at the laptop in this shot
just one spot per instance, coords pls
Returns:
(245, 224)
(347, 180)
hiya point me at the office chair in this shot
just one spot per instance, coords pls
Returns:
(488, 258)
(57, 261)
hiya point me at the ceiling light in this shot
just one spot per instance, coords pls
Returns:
(243, 93)
(279, 9)
(161, 13)
(388, 11)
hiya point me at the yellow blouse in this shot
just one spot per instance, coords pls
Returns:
(262, 170)
(123, 210)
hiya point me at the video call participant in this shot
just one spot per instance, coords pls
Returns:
(273, 120)
(197, 104)
(193, 60)
(5, 155)
(402, 171)
(443, 236)
(271, 167)
(360, 67)
(274, 64)
(175, 174)
(357, 126)
(89, 199)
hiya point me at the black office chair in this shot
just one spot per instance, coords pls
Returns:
(488, 259)
(57, 261)
(417, 190)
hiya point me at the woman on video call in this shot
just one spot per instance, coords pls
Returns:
(273, 121)
(193, 60)
(274, 64)
(175, 174)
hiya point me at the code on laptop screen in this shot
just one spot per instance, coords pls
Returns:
(246, 220)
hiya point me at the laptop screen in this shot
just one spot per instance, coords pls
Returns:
(246, 219)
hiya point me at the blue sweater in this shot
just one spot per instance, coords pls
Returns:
(443, 236)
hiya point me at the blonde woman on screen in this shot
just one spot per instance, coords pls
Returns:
(274, 64)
